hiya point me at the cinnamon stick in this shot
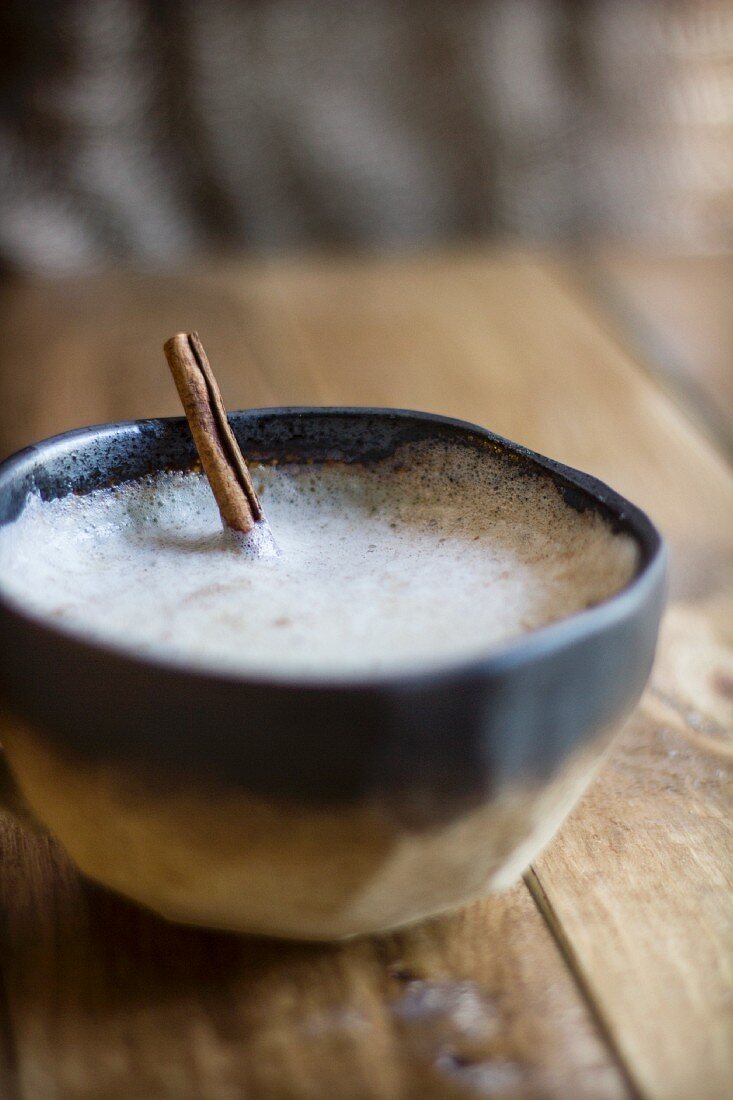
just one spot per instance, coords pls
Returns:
(218, 450)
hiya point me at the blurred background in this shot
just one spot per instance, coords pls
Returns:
(146, 144)
(151, 130)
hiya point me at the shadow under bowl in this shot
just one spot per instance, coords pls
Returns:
(313, 809)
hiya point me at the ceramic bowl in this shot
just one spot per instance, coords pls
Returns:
(313, 809)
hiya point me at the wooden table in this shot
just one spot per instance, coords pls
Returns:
(606, 972)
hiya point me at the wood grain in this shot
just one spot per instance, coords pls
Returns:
(107, 1000)
(636, 888)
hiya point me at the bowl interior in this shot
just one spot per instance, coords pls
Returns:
(92, 458)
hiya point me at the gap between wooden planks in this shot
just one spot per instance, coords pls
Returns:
(635, 883)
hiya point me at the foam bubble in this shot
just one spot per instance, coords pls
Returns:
(438, 552)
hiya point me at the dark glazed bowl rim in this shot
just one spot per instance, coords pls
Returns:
(526, 649)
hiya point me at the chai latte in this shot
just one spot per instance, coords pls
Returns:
(438, 552)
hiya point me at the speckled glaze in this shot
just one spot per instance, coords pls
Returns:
(413, 758)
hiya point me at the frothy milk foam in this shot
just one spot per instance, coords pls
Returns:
(438, 552)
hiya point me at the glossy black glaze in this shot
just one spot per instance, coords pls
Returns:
(427, 744)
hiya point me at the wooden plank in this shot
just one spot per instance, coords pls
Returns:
(106, 999)
(109, 1000)
(639, 882)
(677, 312)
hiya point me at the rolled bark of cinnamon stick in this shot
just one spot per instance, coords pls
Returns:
(218, 449)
